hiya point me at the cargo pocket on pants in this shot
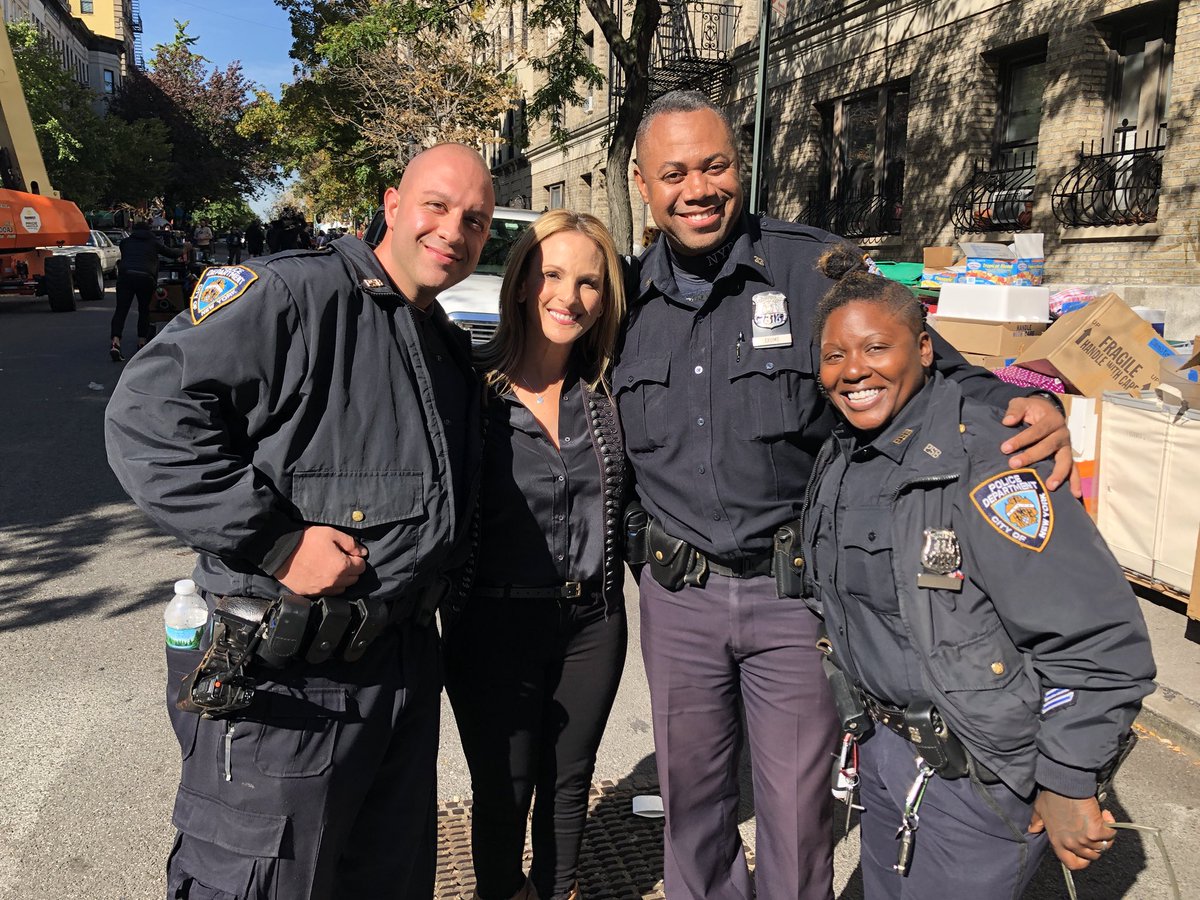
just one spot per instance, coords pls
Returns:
(225, 852)
(300, 730)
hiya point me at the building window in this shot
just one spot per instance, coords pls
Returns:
(85, 7)
(110, 81)
(1143, 58)
(1022, 84)
(864, 146)
(1119, 181)
(556, 195)
(589, 43)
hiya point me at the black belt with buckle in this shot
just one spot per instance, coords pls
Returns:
(569, 590)
(745, 567)
(921, 725)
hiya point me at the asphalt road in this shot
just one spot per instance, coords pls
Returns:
(88, 762)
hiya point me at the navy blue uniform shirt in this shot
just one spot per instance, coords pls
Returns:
(852, 553)
(722, 434)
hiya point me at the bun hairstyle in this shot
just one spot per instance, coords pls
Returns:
(847, 268)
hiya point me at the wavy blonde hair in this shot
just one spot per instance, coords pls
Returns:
(499, 357)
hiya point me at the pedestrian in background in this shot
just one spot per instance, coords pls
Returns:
(716, 386)
(255, 237)
(931, 562)
(233, 243)
(535, 650)
(202, 238)
(137, 277)
(231, 431)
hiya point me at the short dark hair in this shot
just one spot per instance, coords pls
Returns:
(682, 102)
(852, 280)
(141, 226)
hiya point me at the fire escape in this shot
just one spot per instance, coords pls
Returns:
(134, 18)
(691, 49)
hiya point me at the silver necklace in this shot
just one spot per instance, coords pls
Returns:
(537, 398)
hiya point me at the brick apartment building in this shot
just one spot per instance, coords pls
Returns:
(908, 124)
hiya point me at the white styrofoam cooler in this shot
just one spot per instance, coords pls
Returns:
(994, 302)
(1148, 506)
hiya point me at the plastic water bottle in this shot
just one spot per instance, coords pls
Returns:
(185, 616)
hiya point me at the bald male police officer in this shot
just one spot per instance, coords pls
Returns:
(310, 428)
(716, 389)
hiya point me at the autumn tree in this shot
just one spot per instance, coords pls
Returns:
(202, 107)
(381, 80)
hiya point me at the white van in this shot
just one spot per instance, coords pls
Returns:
(474, 303)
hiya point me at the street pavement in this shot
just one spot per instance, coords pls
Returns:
(88, 762)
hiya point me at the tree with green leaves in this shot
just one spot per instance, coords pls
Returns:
(381, 80)
(319, 28)
(202, 107)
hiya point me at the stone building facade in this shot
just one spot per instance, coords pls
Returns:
(909, 124)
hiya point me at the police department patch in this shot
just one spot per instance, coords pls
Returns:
(1017, 504)
(217, 287)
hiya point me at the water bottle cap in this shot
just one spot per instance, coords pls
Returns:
(185, 586)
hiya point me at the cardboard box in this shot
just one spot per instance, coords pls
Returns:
(991, 363)
(940, 257)
(1179, 378)
(1103, 347)
(1004, 339)
(1022, 263)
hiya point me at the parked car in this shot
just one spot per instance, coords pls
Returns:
(474, 303)
(116, 235)
(98, 242)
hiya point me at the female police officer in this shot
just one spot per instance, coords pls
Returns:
(980, 615)
(535, 654)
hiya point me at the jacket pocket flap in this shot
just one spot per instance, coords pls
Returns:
(643, 370)
(236, 830)
(770, 362)
(358, 499)
(984, 663)
(865, 529)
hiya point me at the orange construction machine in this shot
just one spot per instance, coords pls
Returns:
(33, 218)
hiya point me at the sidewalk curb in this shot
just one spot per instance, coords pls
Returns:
(1174, 716)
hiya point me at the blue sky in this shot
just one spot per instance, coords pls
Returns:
(256, 32)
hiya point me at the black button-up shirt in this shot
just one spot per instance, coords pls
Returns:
(722, 434)
(542, 519)
(853, 554)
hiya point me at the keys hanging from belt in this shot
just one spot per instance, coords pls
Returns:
(912, 820)
(845, 776)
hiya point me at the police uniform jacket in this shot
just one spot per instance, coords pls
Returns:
(1040, 661)
(297, 393)
(721, 434)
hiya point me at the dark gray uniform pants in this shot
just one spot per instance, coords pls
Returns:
(708, 651)
(324, 788)
(971, 841)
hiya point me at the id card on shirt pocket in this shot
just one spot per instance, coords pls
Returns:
(770, 326)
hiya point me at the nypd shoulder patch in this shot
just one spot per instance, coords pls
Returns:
(1017, 504)
(217, 287)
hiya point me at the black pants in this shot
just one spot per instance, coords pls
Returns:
(532, 683)
(130, 285)
(325, 787)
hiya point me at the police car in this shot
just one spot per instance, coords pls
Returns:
(474, 303)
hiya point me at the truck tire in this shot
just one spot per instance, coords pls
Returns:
(60, 287)
(89, 277)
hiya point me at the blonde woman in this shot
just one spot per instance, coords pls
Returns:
(536, 648)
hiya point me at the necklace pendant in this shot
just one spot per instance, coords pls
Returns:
(539, 399)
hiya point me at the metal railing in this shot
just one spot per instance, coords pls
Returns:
(998, 197)
(691, 49)
(875, 215)
(1120, 186)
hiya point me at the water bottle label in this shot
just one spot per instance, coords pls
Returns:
(184, 638)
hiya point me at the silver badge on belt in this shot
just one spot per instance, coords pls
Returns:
(941, 559)
(770, 317)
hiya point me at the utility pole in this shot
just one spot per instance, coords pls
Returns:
(760, 101)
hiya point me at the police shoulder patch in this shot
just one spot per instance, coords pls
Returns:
(1017, 504)
(217, 287)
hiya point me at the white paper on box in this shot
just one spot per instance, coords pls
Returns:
(994, 302)
(1028, 246)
